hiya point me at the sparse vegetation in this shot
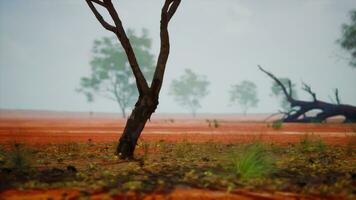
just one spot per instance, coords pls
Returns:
(311, 144)
(278, 124)
(213, 123)
(254, 161)
(19, 158)
(309, 167)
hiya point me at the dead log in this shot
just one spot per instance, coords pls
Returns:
(300, 108)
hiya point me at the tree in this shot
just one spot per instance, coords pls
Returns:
(189, 89)
(348, 38)
(278, 92)
(299, 109)
(111, 76)
(244, 94)
(148, 95)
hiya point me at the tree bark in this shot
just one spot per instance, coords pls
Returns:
(142, 112)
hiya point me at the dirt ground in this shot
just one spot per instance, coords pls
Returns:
(35, 128)
(51, 127)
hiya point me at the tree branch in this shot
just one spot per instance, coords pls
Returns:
(99, 2)
(172, 9)
(98, 16)
(337, 98)
(308, 89)
(168, 10)
(290, 87)
(119, 31)
(288, 95)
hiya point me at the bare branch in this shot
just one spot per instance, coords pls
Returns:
(119, 31)
(337, 96)
(290, 87)
(272, 115)
(172, 9)
(99, 2)
(288, 95)
(308, 89)
(98, 16)
(168, 10)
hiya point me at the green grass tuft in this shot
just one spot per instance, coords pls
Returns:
(254, 161)
(19, 158)
(278, 124)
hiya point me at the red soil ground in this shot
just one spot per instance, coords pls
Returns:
(52, 127)
(178, 194)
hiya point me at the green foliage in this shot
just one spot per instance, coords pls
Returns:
(254, 162)
(111, 75)
(189, 89)
(19, 158)
(348, 38)
(277, 92)
(244, 94)
(277, 124)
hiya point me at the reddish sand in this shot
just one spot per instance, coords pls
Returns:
(178, 194)
(52, 127)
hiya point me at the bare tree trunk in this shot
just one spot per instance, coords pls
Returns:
(142, 112)
(148, 96)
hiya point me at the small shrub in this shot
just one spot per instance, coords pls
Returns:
(213, 123)
(278, 124)
(308, 145)
(216, 123)
(19, 158)
(254, 161)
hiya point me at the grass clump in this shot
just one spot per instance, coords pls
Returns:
(309, 145)
(278, 124)
(254, 161)
(19, 158)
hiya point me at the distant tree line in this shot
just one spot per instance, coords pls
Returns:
(111, 76)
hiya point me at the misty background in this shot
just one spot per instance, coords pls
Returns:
(45, 48)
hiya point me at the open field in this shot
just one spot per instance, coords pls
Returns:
(70, 155)
(52, 127)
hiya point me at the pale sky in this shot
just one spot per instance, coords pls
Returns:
(45, 48)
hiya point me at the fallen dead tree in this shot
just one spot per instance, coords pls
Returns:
(299, 109)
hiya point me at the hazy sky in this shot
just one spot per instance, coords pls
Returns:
(45, 48)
